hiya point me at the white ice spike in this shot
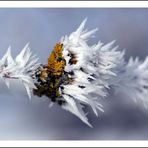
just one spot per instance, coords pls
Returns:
(96, 66)
(20, 68)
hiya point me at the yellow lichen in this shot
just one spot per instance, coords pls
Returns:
(56, 63)
(51, 74)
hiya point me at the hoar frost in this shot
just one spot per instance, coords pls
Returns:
(77, 71)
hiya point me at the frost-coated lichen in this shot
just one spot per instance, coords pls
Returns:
(78, 74)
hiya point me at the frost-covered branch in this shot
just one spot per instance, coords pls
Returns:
(98, 68)
(95, 67)
(132, 80)
(78, 74)
(21, 68)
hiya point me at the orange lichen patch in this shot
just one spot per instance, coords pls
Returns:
(56, 62)
(51, 76)
(58, 49)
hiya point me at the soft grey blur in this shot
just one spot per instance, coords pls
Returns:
(22, 119)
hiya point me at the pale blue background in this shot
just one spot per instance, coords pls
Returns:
(33, 120)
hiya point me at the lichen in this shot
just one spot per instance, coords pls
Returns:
(49, 77)
(56, 62)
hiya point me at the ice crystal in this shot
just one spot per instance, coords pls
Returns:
(21, 68)
(79, 74)
(132, 80)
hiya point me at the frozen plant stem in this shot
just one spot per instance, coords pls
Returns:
(21, 68)
(76, 71)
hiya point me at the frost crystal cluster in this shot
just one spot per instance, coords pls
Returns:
(78, 74)
(21, 68)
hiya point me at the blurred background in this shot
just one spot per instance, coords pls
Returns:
(22, 119)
